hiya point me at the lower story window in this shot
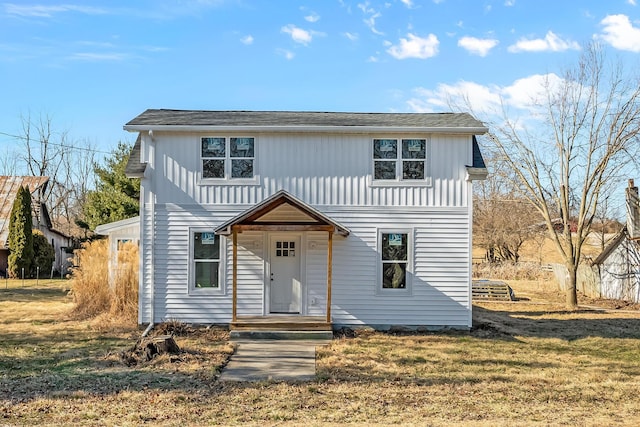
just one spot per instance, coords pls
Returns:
(206, 265)
(394, 259)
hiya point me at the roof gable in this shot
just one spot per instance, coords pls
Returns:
(9, 186)
(258, 213)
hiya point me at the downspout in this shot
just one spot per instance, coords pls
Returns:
(149, 328)
(152, 204)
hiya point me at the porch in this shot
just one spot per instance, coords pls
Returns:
(300, 328)
(284, 222)
(285, 323)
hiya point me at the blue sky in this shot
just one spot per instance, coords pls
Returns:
(94, 65)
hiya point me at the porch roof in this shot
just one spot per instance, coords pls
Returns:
(249, 218)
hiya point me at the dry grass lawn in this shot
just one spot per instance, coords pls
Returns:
(525, 363)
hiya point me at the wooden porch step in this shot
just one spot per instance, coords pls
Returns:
(281, 334)
(491, 290)
(285, 323)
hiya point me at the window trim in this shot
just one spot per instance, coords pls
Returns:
(398, 180)
(228, 161)
(408, 289)
(192, 289)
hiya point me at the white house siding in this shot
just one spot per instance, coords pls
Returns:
(620, 273)
(319, 169)
(332, 173)
(439, 279)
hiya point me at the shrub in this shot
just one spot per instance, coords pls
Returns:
(511, 271)
(20, 238)
(44, 253)
(124, 304)
(96, 292)
(90, 280)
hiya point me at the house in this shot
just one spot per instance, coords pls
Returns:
(9, 186)
(618, 266)
(336, 219)
(119, 233)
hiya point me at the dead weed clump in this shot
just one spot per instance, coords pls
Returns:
(98, 288)
(512, 271)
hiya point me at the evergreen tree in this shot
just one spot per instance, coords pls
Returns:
(44, 253)
(20, 237)
(116, 196)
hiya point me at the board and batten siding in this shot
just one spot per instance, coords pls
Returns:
(620, 273)
(440, 278)
(320, 169)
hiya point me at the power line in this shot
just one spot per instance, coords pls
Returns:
(72, 147)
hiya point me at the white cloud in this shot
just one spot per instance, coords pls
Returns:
(371, 16)
(415, 47)
(286, 53)
(297, 34)
(313, 17)
(550, 43)
(509, 3)
(351, 36)
(42, 11)
(480, 47)
(632, 2)
(522, 94)
(408, 3)
(620, 33)
(99, 57)
(248, 39)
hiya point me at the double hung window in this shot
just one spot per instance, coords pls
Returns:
(394, 249)
(228, 157)
(206, 265)
(400, 159)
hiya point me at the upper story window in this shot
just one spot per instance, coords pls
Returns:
(228, 157)
(400, 159)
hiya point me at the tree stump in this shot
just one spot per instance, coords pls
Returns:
(160, 345)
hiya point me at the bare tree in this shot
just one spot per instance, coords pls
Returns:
(45, 150)
(8, 163)
(586, 134)
(502, 219)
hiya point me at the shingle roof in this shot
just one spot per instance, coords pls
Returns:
(135, 169)
(9, 186)
(154, 118)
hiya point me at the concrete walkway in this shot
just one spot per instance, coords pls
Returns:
(272, 360)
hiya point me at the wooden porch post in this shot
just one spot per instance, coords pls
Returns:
(329, 274)
(235, 275)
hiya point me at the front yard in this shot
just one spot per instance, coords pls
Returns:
(525, 363)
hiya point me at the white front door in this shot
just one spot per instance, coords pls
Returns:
(285, 286)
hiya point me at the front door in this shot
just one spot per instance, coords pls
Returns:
(285, 287)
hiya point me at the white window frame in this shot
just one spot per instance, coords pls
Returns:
(408, 289)
(228, 161)
(192, 289)
(399, 160)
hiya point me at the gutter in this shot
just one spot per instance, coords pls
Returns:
(295, 129)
